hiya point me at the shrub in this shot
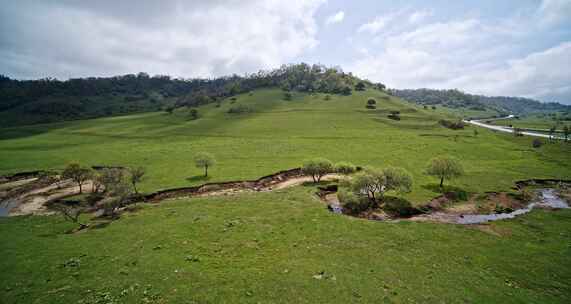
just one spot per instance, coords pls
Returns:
(360, 86)
(287, 96)
(345, 168)
(537, 143)
(193, 114)
(327, 97)
(454, 125)
(371, 101)
(240, 109)
(352, 203)
(399, 207)
(394, 116)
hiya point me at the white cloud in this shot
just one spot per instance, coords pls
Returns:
(375, 25)
(476, 55)
(542, 75)
(552, 12)
(180, 38)
(336, 18)
(419, 16)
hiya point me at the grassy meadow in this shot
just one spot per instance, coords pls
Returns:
(280, 134)
(283, 246)
(533, 121)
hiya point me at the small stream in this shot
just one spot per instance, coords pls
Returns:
(549, 199)
(6, 206)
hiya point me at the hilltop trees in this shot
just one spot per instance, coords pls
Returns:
(360, 86)
(204, 160)
(444, 167)
(77, 173)
(49, 100)
(317, 168)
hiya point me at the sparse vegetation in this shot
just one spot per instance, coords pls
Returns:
(454, 125)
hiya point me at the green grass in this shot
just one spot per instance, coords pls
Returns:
(279, 135)
(532, 121)
(267, 247)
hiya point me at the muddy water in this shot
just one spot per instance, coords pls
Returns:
(6, 206)
(549, 199)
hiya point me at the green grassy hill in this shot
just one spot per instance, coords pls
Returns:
(283, 246)
(280, 134)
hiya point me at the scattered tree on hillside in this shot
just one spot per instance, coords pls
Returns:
(536, 143)
(454, 125)
(136, 176)
(204, 160)
(566, 132)
(371, 103)
(77, 173)
(287, 96)
(374, 183)
(317, 168)
(395, 115)
(70, 213)
(345, 168)
(170, 109)
(445, 167)
(193, 114)
(475, 133)
(397, 179)
(360, 86)
(117, 195)
(240, 109)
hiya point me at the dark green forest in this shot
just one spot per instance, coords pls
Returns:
(51, 100)
(458, 99)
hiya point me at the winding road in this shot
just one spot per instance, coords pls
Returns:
(479, 123)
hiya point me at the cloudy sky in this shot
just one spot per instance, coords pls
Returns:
(508, 47)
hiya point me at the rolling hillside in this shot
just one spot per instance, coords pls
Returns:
(276, 134)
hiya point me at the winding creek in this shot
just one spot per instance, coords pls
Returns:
(549, 199)
(32, 201)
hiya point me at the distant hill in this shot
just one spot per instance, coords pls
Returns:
(459, 99)
(50, 100)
